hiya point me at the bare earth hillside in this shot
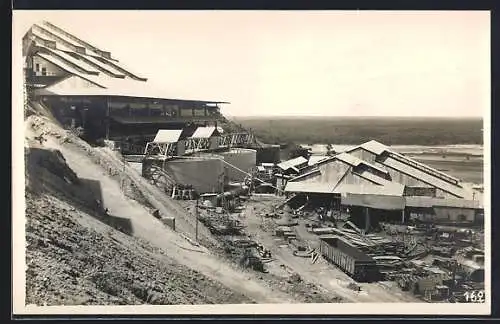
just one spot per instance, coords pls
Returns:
(74, 259)
(76, 255)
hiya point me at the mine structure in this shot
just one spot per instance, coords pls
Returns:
(373, 213)
(86, 88)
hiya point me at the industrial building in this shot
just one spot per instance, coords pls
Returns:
(86, 87)
(374, 179)
(89, 91)
(207, 161)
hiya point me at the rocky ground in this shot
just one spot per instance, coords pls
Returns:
(75, 255)
(74, 259)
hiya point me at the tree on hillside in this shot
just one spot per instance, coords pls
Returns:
(297, 150)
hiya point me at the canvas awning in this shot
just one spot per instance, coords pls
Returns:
(168, 136)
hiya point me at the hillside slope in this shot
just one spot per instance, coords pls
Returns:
(74, 259)
(77, 256)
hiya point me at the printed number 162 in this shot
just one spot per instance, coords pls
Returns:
(474, 296)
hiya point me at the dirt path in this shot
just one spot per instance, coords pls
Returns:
(185, 221)
(146, 227)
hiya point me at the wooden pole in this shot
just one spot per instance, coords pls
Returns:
(107, 119)
(196, 215)
(367, 219)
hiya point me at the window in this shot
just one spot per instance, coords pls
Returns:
(44, 71)
(171, 110)
(199, 112)
(37, 67)
(462, 218)
(139, 109)
(186, 112)
(156, 110)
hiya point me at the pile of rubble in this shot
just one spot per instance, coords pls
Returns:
(220, 223)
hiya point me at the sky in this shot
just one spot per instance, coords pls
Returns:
(301, 63)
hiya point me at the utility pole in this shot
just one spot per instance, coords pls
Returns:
(196, 215)
(122, 182)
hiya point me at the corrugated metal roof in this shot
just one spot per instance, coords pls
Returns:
(117, 87)
(55, 32)
(373, 201)
(352, 160)
(375, 147)
(168, 136)
(349, 159)
(429, 202)
(62, 64)
(156, 120)
(379, 148)
(314, 159)
(423, 176)
(88, 49)
(292, 163)
(44, 37)
(374, 178)
(425, 168)
(122, 86)
(82, 64)
(305, 175)
(103, 65)
(204, 132)
(74, 39)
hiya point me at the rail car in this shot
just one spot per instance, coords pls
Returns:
(350, 259)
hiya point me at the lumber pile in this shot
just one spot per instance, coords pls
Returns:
(375, 245)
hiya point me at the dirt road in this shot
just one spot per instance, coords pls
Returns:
(320, 273)
(146, 227)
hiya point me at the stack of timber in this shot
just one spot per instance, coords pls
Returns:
(373, 245)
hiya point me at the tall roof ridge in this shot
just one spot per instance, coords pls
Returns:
(54, 37)
(82, 43)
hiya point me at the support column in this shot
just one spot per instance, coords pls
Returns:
(367, 219)
(107, 119)
(403, 216)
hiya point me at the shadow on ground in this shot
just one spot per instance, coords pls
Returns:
(122, 224)
(48, 172)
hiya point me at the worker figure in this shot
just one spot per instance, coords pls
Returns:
(98, 204)
(106, 212)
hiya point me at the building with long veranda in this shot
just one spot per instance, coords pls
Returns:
(87, 88)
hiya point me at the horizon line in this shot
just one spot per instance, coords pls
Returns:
(333, 116)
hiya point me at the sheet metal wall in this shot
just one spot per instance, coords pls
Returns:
(455, 214)
(374, 201)
(335, 173)
(203, 174)
(270, 154)
(51, 69)
(331, 172)
(244, 159)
